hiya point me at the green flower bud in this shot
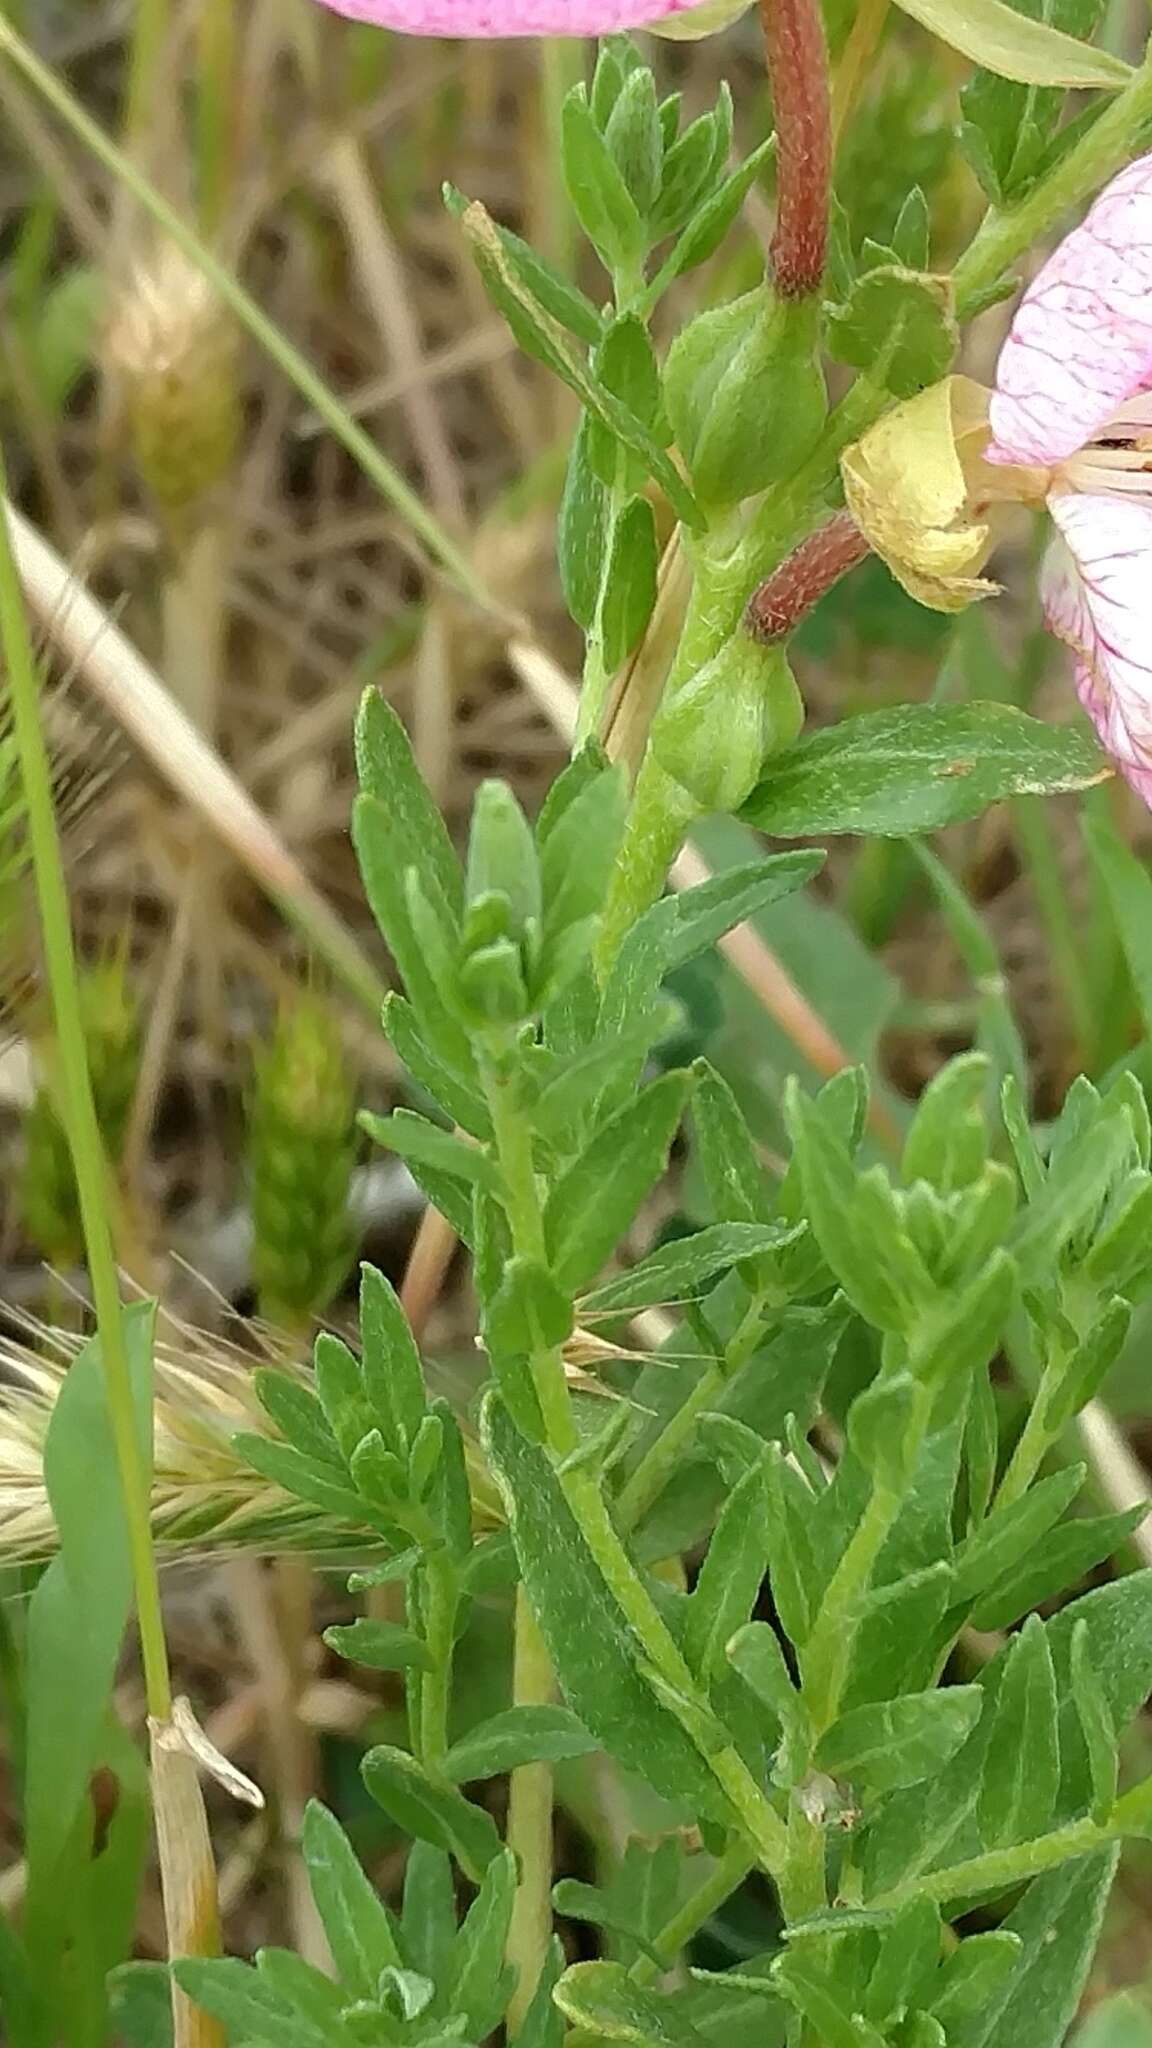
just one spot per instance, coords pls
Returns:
(714, 734)
(745, 395)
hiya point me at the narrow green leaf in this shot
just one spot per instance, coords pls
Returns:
(380, 1645)
(413, 1138)
(432, 1811)
(393, 1374)
(1011, 1532)
(520, 1735)
(681, 1269)
(581, 525)
(729, 1578)
(1095, 1725)
(971, 1976)
(386, 767)
(356, 1922)
(481, 1981)
(1022, 1771)
(592, 1205)
(629, 591)
(1064, 1559)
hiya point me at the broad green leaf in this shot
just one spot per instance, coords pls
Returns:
(896, 1633)
(1022, 1771)
(1057, 1924)
(520, 1735)
(311, 1997)
(814, 1993)
(139, 2005)
(899, 1742)
(502, 860)
(593, 1203)
(356, 1921)
(681, 1269)
(432, 1811)
(574, 1608)
(561, 1110)
(543, 2023)
(1015, 46)
(899, 322)
(916, 769)
(635, 139)
(602, 1999)
(947, 1141)
(76, 1618)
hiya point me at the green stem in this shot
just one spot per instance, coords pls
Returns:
(804, 1884)
(647, 1482)
(760, 1822)
(529, 1831)
(825, 1661)
(1035, 1439)
(440, 1638)
(150, 31)
(659, 817)
(1000, 1870)
(652, 1471)
(1004, 236)
(88, 1163)
(727, 1877)
(299, 372)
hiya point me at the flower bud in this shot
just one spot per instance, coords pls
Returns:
(745, 395)
(714, 734)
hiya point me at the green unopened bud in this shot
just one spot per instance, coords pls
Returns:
(714, 735)
(745, 395)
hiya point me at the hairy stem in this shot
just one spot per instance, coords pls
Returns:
(529, 1830)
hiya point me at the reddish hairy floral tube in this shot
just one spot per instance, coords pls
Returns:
(777, 607)
(801, 99)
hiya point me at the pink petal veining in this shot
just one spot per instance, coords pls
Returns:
(467, 18)
(1097, 595)
(1081, 341)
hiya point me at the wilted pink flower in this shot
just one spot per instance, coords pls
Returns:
(1073, 401)
(468, 18)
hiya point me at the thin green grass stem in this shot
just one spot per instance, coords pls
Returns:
(79, 1112)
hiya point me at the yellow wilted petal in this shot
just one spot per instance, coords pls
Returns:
(908, 491)
(694, 23)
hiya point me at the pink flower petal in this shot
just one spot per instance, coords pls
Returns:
(1081, 341)
(468, 18)
(1097, 594)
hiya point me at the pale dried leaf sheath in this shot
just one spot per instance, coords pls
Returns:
(187, 1875)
